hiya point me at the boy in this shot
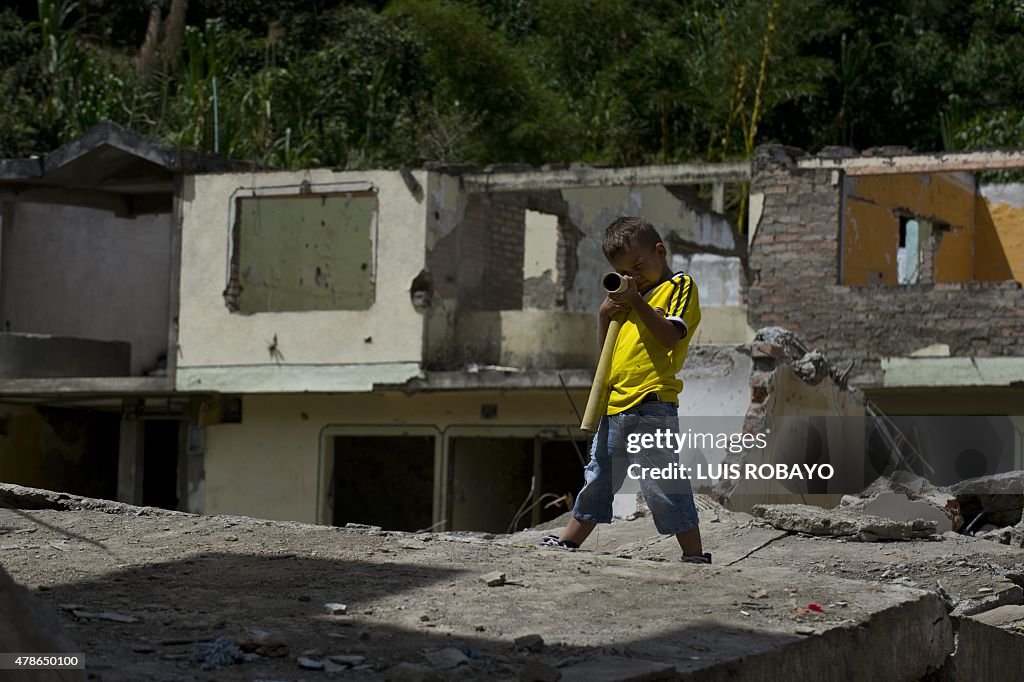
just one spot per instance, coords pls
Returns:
(661, 312)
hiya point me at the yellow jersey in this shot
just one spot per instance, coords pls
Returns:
(640, 364)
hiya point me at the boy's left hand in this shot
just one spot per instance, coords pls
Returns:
(631, 296)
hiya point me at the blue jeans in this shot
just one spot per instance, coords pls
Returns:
(670, 501)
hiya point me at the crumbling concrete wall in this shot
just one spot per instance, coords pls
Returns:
(330, 350)
(808, 415)
(795, 265)
(478, 245)
(81, 272)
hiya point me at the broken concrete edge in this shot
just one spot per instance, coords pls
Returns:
(849, 524)
(29, 499)
(918, 624)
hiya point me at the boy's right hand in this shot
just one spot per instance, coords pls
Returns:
(610, 308)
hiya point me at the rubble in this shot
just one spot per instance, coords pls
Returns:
(532, 643)
(750, 619)
(221, 652)
(996, 499)
(840, 522)
(1005, 594)
(494, 579)
(904, 496)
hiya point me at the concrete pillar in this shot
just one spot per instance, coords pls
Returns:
(191, 466)
(718, 197)
(130, 452)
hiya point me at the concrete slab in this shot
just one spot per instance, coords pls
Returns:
(617, 669)
(708, 623)
(1001, 615)
(985, 653)
(897, 506)
(841, 523)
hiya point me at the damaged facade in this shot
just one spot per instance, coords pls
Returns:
(315, 344)
(906, 271)
(404, 348)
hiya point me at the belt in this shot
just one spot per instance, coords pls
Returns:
(653, 398)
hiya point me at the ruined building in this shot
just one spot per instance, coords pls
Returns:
(405, 348)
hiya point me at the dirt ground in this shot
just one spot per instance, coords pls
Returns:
(417, 609)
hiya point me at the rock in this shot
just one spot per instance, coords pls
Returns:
(494, 579)
(446, 658)
(336, 609)
(350, 660)
(841, 522)
(332, 667)
(532, 643)
(307, 663)
(409, 672)
(536, 671)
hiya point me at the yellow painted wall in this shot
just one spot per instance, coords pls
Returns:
(67, 450)
(954, 257)
(871, 224)
(267, 465)
(21, 447)
(870, 240)
(999, 252)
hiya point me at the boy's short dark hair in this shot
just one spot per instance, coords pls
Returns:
(626, 232)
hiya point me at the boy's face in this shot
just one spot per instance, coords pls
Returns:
(644, 264)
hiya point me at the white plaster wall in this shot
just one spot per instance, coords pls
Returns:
(83, 272)
(388, 335)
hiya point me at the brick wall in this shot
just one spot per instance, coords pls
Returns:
(490, 256)
(794, 261)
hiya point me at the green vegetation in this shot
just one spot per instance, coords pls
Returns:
(294, 83)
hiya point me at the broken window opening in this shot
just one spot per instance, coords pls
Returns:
(489, 481)
(400, 500)
(910, 254)
(302, 252)
(540, 260)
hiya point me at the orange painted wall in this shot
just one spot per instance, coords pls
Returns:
(871, 224)
(999, 249)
